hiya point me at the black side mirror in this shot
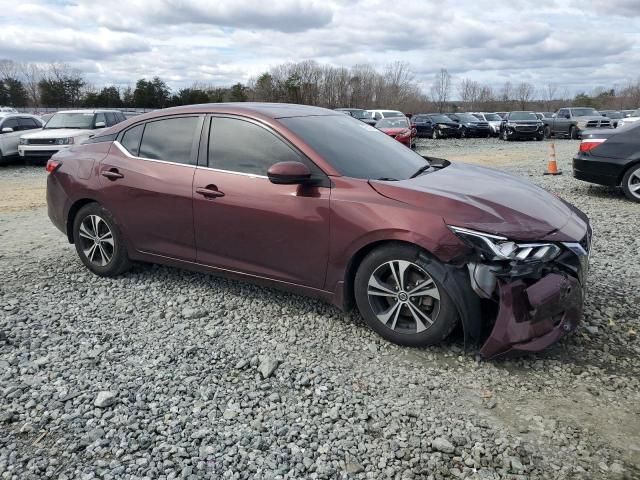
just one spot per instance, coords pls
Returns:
(289, 173)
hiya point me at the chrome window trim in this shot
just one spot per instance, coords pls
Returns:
(127, 154)
(220, 170)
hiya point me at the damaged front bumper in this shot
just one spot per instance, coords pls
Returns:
(536, 309)
(531, 318)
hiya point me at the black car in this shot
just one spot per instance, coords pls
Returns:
(612, 158)
(436, 125)
(614, 115)
(521, 125)
(470, 126)
(359, 114)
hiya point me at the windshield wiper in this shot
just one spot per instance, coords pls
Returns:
(421, 170)
(387, 179)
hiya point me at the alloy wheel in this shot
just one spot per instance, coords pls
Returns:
(633, 183)
(96, 240)
(403, 296)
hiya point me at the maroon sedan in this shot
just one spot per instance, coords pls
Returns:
(317, 202)
(398, 128)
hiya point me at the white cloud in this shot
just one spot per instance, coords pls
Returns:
(185, 41)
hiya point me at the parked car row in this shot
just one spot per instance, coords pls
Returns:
(35, 140)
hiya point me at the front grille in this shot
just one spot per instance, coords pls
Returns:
(39, 153)
(41, 141)
(599, 124)
(526, 128)
(482, 125)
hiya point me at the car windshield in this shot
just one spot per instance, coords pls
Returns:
(360, 114)
(522, 116)
(356, 149)
(393, 122)
(492, 117)
(440, 119)
(391, 113)
(614, 115)
(479, 116)
(466, 117)
(71, 120)
(585, 112)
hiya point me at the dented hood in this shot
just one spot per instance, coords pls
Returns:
(490, 201)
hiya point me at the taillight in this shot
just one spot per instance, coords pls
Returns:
(53, 165)
(590, 143)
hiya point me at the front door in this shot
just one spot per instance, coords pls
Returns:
(251, 225)
(9, 140)
(147, 184)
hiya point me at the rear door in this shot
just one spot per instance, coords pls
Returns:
(9, 140)
(147, 181)
(252, 225)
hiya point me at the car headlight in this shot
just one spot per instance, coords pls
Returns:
(64, 141)
(582, 123)
(23, 141)
(620, 123)
(495, 247)
(512, 124)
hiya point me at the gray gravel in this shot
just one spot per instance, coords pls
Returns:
(166, 374)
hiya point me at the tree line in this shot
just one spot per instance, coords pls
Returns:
(308, 82)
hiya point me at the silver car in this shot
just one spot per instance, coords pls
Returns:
(12, 125)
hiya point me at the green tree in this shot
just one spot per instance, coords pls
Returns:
(16, 93)
(151, 93)
(238, 93)
(190, 96)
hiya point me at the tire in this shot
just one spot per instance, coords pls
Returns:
(464, 133)
(434, 134)
(631, 183)
(505, 135)
(573, 133)
(407, 317)
(547, 132)
(107, 257)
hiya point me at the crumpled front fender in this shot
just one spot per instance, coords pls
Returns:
(531, 318)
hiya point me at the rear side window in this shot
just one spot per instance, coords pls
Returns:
(99, 118)
(11, 123)
(170, 139)
(28, 123)
(131, 139)
(111, 118)
(240, 146)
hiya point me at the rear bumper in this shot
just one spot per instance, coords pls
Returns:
(600, 171)
(532, 318)
(57, 204)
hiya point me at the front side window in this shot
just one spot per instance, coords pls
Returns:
(563, 113)
(354, 148)
(28, 123)
(111, 118)
(240, 146)
(131, 139)
(11, 123)
(100, 118)
(170, 139)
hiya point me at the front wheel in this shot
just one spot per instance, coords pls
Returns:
(547, 132)
(573, 133)
(464, 133)
(505, 135)
(434, 134)
(400, 300)
(631, 183)
(98, 241)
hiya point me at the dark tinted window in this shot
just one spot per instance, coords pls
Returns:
(11, 123)
(170, 139)
(131, 139)
(354, 148)
(241, 146)
(111, 118)
(28, 123)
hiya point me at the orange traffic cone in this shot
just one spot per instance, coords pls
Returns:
(552, 166)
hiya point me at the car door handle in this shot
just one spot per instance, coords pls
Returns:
(112, 174)
(210, 191)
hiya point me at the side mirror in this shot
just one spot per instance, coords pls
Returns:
(100, 124)
(288, 173)
(7, 130)
(414, 132)
(567, 116)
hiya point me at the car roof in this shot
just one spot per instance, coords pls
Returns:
(98, 110)
(271, 110)
(14, 114)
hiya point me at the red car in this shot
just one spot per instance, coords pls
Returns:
(398, 128)
(319, 203)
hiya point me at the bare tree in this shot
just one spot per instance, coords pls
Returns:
(524, 94)
(32, 74)
(550, 92)
(469, 91)
(441, 89)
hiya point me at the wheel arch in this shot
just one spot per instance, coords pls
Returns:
(453, 278)
(73, 211)
(631, 165)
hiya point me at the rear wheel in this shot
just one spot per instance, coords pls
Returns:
(631, 183)
(400, 300)
(99, 242)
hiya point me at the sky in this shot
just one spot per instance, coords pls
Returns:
(576, 45)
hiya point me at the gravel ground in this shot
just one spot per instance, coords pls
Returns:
(165, 373)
